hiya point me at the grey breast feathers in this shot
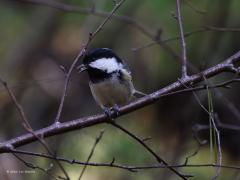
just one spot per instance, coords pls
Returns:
(112, 91)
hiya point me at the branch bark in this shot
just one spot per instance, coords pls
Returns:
(113, 164)
(80, 55)
(182, 39)
(225, 66)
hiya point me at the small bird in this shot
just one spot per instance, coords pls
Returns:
(110, 79)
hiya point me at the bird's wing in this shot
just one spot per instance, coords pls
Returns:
(128, 77)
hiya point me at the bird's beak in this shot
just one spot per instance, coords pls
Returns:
(81, 68)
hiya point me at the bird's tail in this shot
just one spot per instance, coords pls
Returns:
(138, 94)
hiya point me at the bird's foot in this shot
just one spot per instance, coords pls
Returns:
(111, 112)
(115, 109)
(108, 113)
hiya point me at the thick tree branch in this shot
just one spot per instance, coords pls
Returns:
(225, 66)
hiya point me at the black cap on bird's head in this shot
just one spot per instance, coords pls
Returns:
(100, 62)
(99, 53)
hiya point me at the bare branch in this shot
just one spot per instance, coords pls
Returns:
(195, 9)
(159, 159)
(221, 29)
(205, 28)
(126, 19)
(28, 127)
(215, 128)
(228, 65)
(32, 166)
(98, 139)
(14, 99)
(80, 55)
(225, 66)
(219, 124)
(183, 43)
(131, 168)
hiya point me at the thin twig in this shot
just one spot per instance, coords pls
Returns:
(48, 149)
(210, 112)
(212, 121)
(205, 28)
(98, 139)
(159, 159)
(221, 29)
(194, 8)
(28, 127)
(14, 99)
(81, 54)
(126, 19)
(225, 66)
(224, 84)
(131, 168)
(183, 43)
(201, 127)
(32, 166)
(199, 145)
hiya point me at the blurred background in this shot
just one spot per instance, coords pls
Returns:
(36, 40)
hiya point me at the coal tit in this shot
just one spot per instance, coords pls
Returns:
(110, 80)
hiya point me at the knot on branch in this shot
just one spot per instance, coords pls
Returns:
(6, 147)
(233, 68)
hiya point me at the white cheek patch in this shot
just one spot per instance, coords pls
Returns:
(106, 64)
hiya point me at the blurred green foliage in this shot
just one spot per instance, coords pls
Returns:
(35, 41)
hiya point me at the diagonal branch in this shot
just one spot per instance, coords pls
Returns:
(29, 129)
(225, 66)
(98, 139)
(158, 158)
(126, 19)
(32, 166)
(80, 55)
